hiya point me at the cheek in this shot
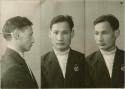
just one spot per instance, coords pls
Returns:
(112, 39)
(53, 39)
(109, 39)
(67, 38)
(28, 40)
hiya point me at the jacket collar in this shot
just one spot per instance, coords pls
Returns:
(16, 56)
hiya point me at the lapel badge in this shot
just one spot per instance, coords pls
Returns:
(123, 67)
(76, 67)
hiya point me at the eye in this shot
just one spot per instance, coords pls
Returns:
(55, 32)
(65, 32)
(96, 33)
(31, 34)
(105, 32)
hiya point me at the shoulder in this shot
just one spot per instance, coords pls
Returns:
(14, 76)
(10, 65)
(120, 55)
(120, 51)
(12, 71)
(76, 57)
(92, 58)
(76, 53)
(46, 57)
(7, 61)
(9, 57)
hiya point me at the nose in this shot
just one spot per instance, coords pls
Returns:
(100, 38)
(59, 37)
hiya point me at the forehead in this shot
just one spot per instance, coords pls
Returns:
(103, 26)
(28, 29)
(61, 26)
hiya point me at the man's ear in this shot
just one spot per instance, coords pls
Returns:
(72, 33)
(16, 34)
(117, 33)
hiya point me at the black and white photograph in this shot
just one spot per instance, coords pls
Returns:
(62, 44)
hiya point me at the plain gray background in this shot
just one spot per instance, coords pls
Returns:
(40, 12)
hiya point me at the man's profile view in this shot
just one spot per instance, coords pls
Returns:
(15, 73)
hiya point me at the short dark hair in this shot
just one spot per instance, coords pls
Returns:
(113, 21)
(13, 23)
(62, 18)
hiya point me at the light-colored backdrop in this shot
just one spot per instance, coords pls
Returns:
(52, 8)
(95, 8)
(40, 12)
(31, 10)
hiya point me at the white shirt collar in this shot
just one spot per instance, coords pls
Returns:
(107, 52)
(109, 59)
(62, 58)
(61, 53)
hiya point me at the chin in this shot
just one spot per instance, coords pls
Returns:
(28, 49)
(103, 48)
(60, 48)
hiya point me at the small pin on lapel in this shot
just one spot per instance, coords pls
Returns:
(123, 67)
(76, 67)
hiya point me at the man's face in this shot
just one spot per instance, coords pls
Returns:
(61, 35)
(26, 39)
(105, 36)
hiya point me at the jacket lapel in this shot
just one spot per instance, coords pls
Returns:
(16, 56)
(72, 68)
(116, 65)
(100, 71)
(54, 67)
(117, 74)
(103, 65)
(33, 78)
(69, 65)
(18, 59)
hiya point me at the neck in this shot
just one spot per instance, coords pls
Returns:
(15, 47)
(61, 51)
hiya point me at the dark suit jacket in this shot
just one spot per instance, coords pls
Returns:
(15, 72)
(51, 74)
(98, 72)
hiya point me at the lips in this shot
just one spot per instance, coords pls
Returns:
(60, 43)
(31, 45)
(101, 44)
